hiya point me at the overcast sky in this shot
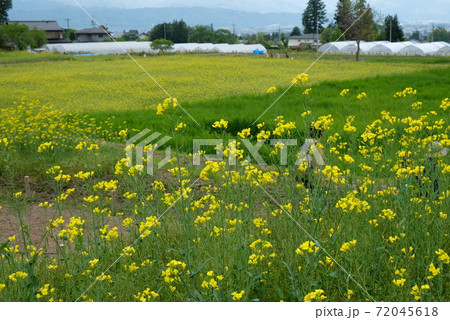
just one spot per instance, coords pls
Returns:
(437, 10)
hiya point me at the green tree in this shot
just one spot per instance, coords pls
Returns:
(264, 39)
(157, 32)
(5, 5)
(415, 35)
(356, 21)
(37, 38)
(439, 34)
(365, 27)
(128, 37)
(392, 29)
(176, 31)
(179, 32)
(284, 41)
(161, 45)
(250, 38)
(331, 34)
(69, 34)
(344, 17)
(314, 16)
(202, 34)
(296, 32)
(19, 36)
(224, 36)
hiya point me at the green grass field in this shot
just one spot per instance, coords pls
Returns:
(375, 214)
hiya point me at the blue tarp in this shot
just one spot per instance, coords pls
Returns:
(257, 51)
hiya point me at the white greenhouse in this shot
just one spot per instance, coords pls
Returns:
(440, 48)
(350, 48)
(444, 51)
(443, 48)
(388, 48)
(366, 46)
(99, 48)
(424, 49)
(334, 47)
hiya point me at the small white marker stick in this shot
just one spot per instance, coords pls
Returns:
(27, 187)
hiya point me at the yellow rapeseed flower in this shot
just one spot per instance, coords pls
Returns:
(271, 90)
(316, 295)
(221, 124)
(238, 295)
(443, 256)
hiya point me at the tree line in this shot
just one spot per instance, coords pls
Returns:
(180, 32)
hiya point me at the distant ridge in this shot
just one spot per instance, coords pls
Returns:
(145, 18)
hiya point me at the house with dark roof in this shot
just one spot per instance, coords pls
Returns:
(305, 40)
(53, 32)
(91, 35)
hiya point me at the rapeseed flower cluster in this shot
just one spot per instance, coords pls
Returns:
(146, 296)
(271, 89)
(300, 78)
(352, 204)
(221, 124)
(405, 93)
(169, 103)
(316, 295)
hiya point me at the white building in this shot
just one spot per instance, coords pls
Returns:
(304, 40)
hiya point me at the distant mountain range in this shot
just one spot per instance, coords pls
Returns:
(144, 19)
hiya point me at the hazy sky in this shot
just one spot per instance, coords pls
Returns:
(406, 9)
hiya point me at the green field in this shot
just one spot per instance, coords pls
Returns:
(370, 225)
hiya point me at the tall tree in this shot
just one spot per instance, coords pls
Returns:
(365, 27)
(392, 29)
(5, 5)
(180, 32)
(356, 21)
(177, 31)
(158, 32)
(314, 16)
(344, 16)
(296, 32)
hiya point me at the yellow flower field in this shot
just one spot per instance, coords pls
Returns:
(107, 84)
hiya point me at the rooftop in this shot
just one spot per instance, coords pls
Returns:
(91, 31)
(305, 36)
(49, 25)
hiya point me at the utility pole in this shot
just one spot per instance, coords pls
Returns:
(432, 31)
(165, 30)
(317, 33)
(390, 29)
(68, 24)
(234, 31)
